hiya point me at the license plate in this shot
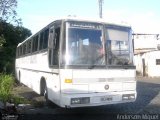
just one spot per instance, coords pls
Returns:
(106, 98)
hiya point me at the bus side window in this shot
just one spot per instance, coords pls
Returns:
(54, 46)
(35, 43)
(20, 51)
(50, 45)
(41, 40)
(24, 48)
(29, 46)
(45, 39)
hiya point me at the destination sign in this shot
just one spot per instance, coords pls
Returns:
(85, 25)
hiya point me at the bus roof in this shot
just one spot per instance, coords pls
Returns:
(94, 20)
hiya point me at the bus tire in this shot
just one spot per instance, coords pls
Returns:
(47, 101)
(44, 91)
(45, 94)
(42, 86)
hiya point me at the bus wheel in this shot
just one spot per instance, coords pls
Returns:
(45, 94)
(43, 87)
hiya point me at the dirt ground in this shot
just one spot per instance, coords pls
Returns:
(29, 95)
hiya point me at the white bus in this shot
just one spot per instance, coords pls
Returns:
(77, 63)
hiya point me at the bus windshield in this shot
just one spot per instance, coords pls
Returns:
(85, 46)
(118, 47)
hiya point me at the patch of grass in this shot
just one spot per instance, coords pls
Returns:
(6, 85)
(20, 100)
(7, 82)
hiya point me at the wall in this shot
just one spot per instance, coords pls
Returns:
(151, 69)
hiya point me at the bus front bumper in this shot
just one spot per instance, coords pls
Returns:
(96, 99)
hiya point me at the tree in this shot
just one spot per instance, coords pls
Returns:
(10, 35)
(13, 35)
(2, 41)
(8, 12)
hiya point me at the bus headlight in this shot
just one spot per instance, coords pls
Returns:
(83, 100)
(128, 97)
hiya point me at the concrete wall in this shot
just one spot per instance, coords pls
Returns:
(149, 67)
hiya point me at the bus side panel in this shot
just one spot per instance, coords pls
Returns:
(53, 85)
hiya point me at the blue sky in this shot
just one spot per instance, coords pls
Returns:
(142, 15)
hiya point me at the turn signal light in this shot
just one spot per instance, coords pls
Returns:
(68, 80)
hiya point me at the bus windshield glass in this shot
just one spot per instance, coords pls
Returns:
(118, 47)
(84, 44)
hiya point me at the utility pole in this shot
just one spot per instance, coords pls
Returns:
(100, 8)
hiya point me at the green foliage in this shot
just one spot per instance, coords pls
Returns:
(6, 85)
(2, 40)
(8, 11)
(12, 35)
(20, 100)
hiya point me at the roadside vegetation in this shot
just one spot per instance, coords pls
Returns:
(7, 82)
(11, 33)
(6, 85)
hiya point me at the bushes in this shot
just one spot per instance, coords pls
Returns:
(10, 36)
(6, 85)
